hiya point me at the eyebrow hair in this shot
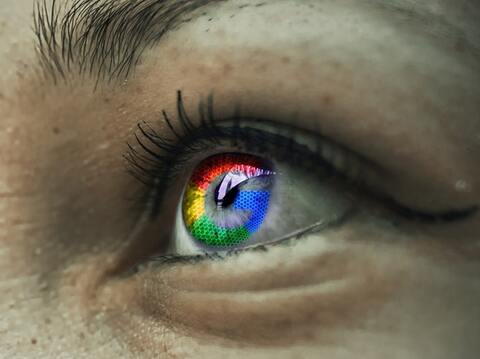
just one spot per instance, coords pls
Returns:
(103, 38)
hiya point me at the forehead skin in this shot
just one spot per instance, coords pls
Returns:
(45, 317)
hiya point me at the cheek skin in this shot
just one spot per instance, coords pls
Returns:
(350, 293)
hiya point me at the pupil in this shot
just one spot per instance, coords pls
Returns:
(229, 198)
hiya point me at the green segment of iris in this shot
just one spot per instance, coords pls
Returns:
(212, 235)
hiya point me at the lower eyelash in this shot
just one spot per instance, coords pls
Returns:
(264, 247)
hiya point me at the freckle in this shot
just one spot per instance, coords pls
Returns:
(56, 130)
(48, 321)
(81, 335)
(285, 60)
(34, 341)
(327, 100)
(227, 68)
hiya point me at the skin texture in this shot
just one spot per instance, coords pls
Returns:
(399, 87)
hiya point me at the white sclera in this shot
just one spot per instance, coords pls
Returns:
(299, 198)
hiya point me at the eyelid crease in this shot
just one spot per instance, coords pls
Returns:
(164, 157)
(452, 215)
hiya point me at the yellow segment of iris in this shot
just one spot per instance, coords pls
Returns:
(194, 204)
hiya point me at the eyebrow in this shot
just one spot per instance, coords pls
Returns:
(103, 38)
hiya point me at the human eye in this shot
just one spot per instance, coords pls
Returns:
(246, 183)
(244, 176)
(295, 174)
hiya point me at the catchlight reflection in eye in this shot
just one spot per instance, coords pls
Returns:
(227, 199)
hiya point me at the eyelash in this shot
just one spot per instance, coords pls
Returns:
(159, 159)
(163, 157)
(173, 259)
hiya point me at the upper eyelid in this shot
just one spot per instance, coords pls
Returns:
(170, 151)
(179, 146)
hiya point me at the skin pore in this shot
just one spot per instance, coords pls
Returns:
(394, 81)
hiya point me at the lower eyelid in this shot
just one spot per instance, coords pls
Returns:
(288, 239)
(282, 274)
(329, 287)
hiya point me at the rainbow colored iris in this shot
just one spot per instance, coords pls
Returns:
(227, 199)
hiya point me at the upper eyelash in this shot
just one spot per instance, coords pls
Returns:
(163, 157)
(155, 169)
